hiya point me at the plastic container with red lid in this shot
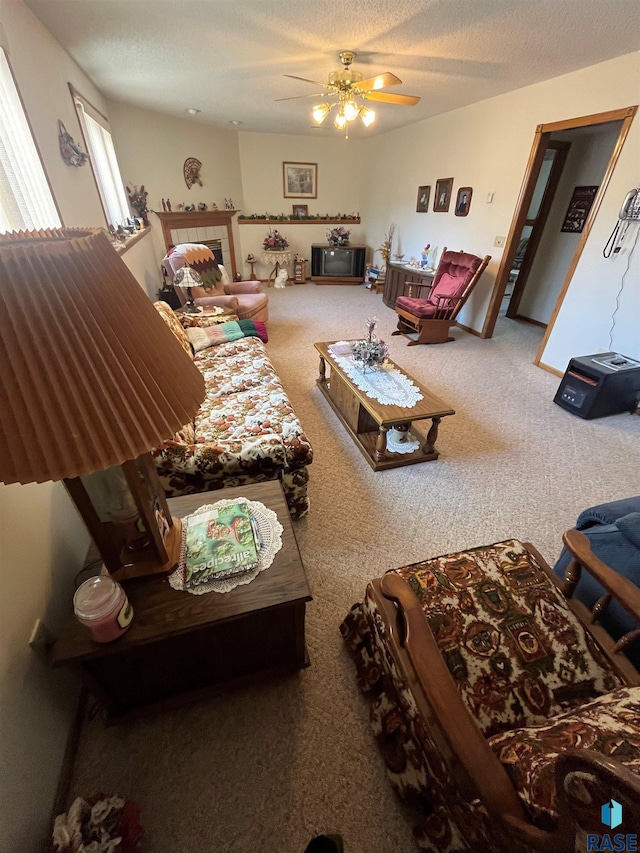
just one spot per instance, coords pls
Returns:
(102, 606)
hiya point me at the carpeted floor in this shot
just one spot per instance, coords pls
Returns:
(261, 770)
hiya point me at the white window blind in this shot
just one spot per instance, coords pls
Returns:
(105, 165)
(26, 202)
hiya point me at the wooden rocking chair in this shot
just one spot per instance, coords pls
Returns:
(431, 317)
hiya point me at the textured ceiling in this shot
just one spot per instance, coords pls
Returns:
(228, 57)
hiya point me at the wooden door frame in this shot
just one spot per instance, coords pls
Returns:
(541, 138)
(539, 223)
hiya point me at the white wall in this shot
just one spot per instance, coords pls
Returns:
(42, 539)
(586, 164)
(152, 149)
(339, 187)
(486, 146)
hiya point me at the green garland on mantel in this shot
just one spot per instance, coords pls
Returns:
(259, 218)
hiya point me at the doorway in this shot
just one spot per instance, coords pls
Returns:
(543, 196)
(541, 144)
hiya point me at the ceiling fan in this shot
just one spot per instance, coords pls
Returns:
(348, 90)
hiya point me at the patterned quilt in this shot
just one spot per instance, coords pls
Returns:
(246, 430)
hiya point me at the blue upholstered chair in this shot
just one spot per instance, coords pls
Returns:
(613, 531)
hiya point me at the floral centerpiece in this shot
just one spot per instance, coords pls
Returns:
(138, 201)
(372, 351)
(338, 236)
(275, 241)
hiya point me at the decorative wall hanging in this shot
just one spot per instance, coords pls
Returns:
(300, 180)
(463, 201)
(71, 153)
(422, 205)
(442, 198)
(578, 210)
(191, 171)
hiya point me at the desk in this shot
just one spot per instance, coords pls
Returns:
(278, 259)
(181, 647)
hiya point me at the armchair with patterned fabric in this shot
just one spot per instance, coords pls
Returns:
(244, 298)
(506, 719)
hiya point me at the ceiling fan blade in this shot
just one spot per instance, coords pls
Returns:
(390, 98)
(296, 97)
(304, 80)
(380, 81)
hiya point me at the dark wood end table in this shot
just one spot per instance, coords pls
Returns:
(180, 646)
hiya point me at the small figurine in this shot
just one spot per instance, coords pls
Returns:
(169, 205)
(181, 206)
(425, 256)
(228, 204)
(188, 208)
(214, 206)
(164, 205)
(202, 206)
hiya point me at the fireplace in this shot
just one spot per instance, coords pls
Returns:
(210, 227)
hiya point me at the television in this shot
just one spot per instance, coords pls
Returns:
(343, 265)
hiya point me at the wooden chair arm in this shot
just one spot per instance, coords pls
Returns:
(621, 588)
(410, 286)
(430, 673)
(605, 778)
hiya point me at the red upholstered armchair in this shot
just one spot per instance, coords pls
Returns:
(431, 316)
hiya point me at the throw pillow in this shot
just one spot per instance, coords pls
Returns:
(448, 285)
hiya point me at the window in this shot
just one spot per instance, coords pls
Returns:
(26, 202)
(104, 162)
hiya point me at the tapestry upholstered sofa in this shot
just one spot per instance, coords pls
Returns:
(245, 431)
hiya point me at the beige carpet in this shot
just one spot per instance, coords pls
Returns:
(264, 769)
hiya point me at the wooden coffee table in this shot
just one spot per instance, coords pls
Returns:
(367, 421)
(182, 646)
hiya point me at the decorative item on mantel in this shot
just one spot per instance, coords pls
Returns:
(338, 237)
(372, 351)
(138, 201)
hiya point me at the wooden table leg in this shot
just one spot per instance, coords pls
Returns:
(432, 437)
(323, 370)
(381, 444)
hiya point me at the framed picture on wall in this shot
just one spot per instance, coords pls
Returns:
(463, 201)
(300, 210)
(578, 210)
(422, 205)
(300, 180)
(442, 197)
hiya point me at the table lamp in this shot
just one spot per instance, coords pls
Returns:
(187, 278)
(92, 379)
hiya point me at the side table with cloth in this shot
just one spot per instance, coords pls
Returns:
(244, 298)
(278, 259)
(613, 531)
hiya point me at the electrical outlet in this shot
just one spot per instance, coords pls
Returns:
(499, 242)
(41, 640)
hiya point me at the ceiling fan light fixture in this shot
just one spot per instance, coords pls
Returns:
(340, 120)
(320, 112)
(367, 116)
(350, 109)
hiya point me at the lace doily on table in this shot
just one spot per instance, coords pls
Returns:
(404, 445)
(384, 383)
(269, 532)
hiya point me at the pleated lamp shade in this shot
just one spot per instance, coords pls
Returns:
(90, 375)
(91, 378)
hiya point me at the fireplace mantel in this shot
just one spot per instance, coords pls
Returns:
(198, 219)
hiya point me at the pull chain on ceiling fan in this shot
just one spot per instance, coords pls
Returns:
(349, 91)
